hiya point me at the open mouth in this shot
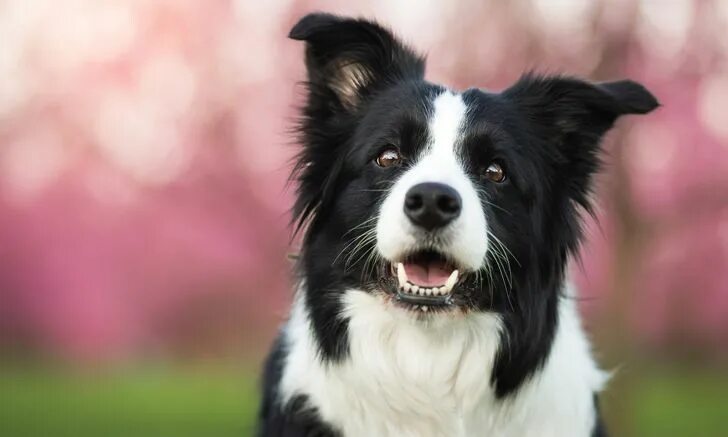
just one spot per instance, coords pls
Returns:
(426, 279)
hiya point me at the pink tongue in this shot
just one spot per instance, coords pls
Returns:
(429, 274)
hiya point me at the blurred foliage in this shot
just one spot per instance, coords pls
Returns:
(144, 150)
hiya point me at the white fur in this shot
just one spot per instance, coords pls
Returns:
(431, 377)
(465, 239)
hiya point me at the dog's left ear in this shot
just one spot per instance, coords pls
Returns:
(572, 116)
(572, 106)
(347, 59)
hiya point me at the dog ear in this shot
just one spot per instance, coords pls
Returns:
(347, 61)
(572, 106)
(573, 115)
(349, 58)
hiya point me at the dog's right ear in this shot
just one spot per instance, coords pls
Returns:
(348, 59)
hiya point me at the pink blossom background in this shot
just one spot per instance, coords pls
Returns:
(145, 146)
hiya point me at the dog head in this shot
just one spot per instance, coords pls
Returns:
(440, 201)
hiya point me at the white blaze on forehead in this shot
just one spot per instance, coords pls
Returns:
(446, 125)
(465, 239)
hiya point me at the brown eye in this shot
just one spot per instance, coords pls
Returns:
(389, 158)
(495, 173)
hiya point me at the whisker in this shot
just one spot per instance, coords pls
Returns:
(503, 246)
(369, 238)
(498, 207)
(390, 182)
(353, 241)
(363, 224)
(484, 198)
(371, 262)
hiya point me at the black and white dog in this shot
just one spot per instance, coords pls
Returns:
(432, 298)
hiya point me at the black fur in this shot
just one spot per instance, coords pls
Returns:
(331, 131)
(366, 90)
(296, 419)
(600, 430)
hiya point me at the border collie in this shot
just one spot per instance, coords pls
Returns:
(438, 225)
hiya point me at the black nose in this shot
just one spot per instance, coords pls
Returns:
(432, 205)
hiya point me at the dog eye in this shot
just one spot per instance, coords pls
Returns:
(494, 173)
(389, 158)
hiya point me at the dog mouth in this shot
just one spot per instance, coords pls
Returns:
(426, 279)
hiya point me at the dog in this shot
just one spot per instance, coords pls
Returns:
(432, 297)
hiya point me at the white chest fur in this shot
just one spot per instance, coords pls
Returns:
(406, 377)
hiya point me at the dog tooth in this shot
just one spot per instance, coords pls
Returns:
(415, 288)
(450, 283)
(406, 287)
(435, 291)
(401, 275)
(428, 291)
(424, 309)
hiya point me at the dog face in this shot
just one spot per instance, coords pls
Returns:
(440, 200)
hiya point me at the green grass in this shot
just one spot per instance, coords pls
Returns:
(219, 404)
(680, 403)
(146, 404)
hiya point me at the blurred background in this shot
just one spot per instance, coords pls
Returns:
(144, 150)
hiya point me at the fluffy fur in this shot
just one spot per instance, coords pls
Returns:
(504, 354)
